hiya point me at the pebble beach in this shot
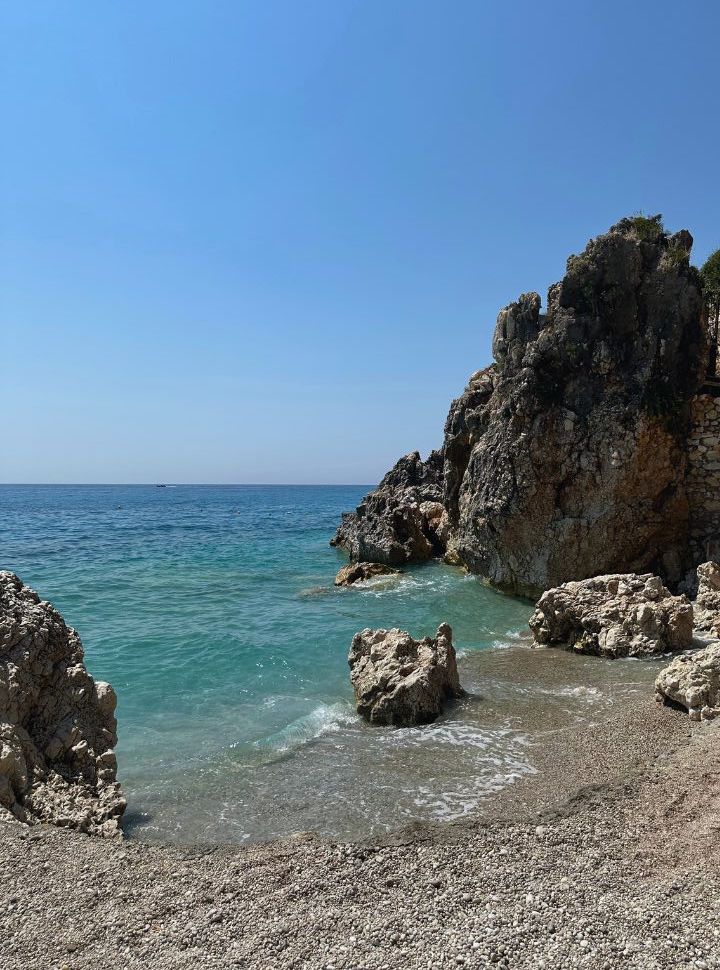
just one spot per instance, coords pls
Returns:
(606, 857)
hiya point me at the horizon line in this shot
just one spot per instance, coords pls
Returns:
(184, 485)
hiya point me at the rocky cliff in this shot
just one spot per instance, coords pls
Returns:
(57, 725)
(566, 458)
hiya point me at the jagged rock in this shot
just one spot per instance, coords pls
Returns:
(568, 456)
(614, 616)
(402, 681)
(360, 572)
(466, 422)
(707, 602)
(57, 725)
(399, 521)
(693, 682)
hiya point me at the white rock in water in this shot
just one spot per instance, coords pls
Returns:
(623, 615)
(402, 681)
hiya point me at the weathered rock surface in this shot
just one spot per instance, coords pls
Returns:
(402, 520)
(693, 681)
(402, 681)
(568, 457)
(614, 616)
(57, 725)
(360, 572)
(707, 602)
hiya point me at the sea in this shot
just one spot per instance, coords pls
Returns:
(212, 612)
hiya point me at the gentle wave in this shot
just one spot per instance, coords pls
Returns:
(309, 727)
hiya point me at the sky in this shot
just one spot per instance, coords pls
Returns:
(267, 241)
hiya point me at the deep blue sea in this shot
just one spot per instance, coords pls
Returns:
(212, 611)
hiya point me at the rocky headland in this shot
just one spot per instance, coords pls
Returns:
(575, 453)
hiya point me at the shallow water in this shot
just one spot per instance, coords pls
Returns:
(212, 612)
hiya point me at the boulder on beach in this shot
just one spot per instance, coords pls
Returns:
(622, 615)
(57, 724)
(707, 602)
(693, 682)
(402, 681)
(360, 572)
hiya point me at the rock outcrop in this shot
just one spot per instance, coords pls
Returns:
(57, 725)
(361, 572)
(402, 520)
(614, 616)
(707, 601)
(693, 682)
(566, 458)
(402, 681)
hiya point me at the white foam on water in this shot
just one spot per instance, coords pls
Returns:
(322, 720)
(495, 758)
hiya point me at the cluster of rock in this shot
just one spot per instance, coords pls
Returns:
(692, 680)
(568, 456)
(57, 725)
(623, 615)
(627, 615)
(402, 681)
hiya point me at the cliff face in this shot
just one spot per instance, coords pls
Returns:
(567, 458)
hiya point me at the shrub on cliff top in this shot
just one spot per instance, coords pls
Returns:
(646, 228)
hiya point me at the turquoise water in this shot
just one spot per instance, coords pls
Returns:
(212, 612)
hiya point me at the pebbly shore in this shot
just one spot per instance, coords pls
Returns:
(606, 857)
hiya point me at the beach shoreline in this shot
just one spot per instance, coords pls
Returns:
(605, 857)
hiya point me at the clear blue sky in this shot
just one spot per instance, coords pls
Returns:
(267, 241)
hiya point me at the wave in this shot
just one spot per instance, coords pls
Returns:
(322, 720)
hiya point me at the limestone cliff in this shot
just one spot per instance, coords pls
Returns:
(567, 458)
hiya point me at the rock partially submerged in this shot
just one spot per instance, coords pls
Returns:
(402, 520)
(361, 572)
(693, 682)
(57, 725)
(402, 681)
(623, 615)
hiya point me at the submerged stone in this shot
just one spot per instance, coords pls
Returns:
(360, 572)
